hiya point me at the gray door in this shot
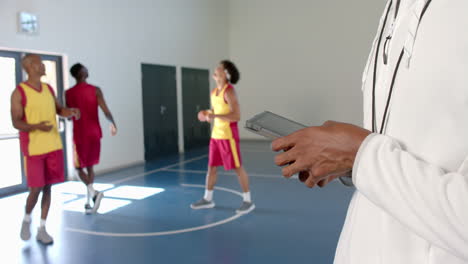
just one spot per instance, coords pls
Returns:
(159, 110)
(196, 97)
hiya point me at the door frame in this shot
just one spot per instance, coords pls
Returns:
(19, 77)
(62, 82)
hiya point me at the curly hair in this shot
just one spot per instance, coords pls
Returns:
(231, 68)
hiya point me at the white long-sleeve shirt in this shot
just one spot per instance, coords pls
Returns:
(411, 203)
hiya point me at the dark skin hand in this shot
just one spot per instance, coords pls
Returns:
(320, 154)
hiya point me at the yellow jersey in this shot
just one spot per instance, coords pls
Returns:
(39, 106)
(222, 129)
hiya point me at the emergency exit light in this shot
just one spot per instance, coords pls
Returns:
(28, 23)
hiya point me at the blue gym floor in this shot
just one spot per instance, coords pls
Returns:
(146, 217)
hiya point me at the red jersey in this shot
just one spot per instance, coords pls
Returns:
(84, 97)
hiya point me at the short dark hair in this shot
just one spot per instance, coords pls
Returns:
(231, 68)
(75, 69)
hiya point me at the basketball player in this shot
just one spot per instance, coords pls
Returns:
(34, 110)
(224, 143)
(87, 131)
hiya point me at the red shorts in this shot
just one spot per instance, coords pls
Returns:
(225, 152)
(87, 153)
(46, 169)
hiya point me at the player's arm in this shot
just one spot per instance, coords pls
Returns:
(234, 115)
(66, 112)
(103, 105)
(207, 113)
(17, 114)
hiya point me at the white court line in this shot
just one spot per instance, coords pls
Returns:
(187, 171)
(218, 188)
(272, 176)
(165, 233)
(157, 170)
(170, 166)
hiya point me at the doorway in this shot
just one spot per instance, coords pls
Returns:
(196, 97)
(11, 74)
(159, 110)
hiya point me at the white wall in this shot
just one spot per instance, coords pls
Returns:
(302, 58)
(113, 38)
(299, 58)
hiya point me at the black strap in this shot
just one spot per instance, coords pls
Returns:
(374, 81)
(395, 73)
(425, 9)
(397, 8)
(389, 97)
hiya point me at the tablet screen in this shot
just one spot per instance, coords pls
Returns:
(274, 124)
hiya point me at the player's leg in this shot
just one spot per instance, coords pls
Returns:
(247, 204)
(31, 202)
(243, 179)
(80, 154)
(42, 235)
(34, 168)
(45, 203)
(214, 160)
(211, 179)
(96, 195)
(94, 153)
(54, 173)
(85, 179)
(233, 161)
(32, 199)
(207, 200)
(83, 176)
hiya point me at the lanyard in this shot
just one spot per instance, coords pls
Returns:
(395, 72)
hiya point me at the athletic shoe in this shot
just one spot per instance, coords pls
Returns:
(43, 236)
(202, 204)
(25, 230)
(245, 208)
(97, 200)
(88, 209)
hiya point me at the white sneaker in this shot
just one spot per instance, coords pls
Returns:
(88, 209)
(25, 230)
(97, 201)
(43, 236)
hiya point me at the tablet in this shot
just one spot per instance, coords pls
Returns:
(272, 126)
